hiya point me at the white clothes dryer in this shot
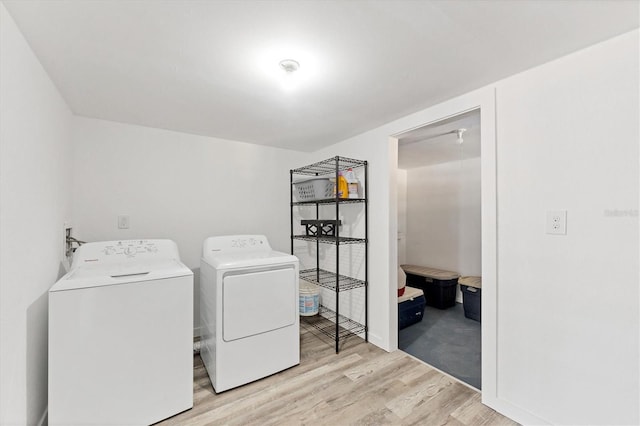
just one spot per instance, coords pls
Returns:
(121, 335)
(249, 320)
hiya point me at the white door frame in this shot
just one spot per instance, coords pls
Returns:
(483, 100)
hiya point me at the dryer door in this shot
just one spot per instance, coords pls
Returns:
(255, 302)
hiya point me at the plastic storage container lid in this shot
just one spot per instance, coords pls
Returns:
(410, 293)
(470, 281)
(307, 287)
(424, 271)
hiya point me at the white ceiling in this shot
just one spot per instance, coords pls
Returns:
(211, 67)
(435, 143)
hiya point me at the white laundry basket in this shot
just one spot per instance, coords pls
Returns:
(314, 189)
(309, 298)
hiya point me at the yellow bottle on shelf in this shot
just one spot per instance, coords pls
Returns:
(343, 187)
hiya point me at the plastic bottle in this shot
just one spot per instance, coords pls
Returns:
(343, 187)
(352, 182)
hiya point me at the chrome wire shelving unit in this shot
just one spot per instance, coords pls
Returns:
(329, 320)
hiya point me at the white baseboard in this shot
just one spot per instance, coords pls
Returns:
(512, 411)
(377, 341)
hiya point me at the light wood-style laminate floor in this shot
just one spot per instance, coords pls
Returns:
(362, 385)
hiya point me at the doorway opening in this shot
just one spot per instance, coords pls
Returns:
(440, 228)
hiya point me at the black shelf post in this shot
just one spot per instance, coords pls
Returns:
(291, 204)
(318, 242)
(366, 252)
(337, 186)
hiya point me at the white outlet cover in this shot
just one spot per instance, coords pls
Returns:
(557, 222)
(123, 222)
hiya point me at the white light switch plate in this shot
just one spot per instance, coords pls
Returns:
(557, 222)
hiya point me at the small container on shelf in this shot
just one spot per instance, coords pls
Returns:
(309, 298)
(353, 184)
(343, 187)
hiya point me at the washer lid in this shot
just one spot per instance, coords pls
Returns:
(100, 275)
(226, 260)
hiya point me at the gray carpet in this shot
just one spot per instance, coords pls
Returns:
(447, 340)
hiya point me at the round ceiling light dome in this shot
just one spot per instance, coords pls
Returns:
(289, 65)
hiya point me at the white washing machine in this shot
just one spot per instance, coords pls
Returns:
(249, 319)
(121, 335)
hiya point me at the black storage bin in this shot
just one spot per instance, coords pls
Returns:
(471, 298)
(440, 294)
(410, 311)
(416, 281)
(439, 286)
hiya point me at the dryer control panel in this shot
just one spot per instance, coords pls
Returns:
(231, 243)
(118, 251)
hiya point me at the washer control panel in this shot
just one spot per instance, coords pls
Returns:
(130, 248)
(118, 251)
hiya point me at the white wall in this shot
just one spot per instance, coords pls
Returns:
(568, 327)
(380, 214)
(177, 186)
(562, 313)
(443, 217)
(35, 201)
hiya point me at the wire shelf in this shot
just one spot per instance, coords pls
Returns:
(330, 240)
(329, 201)
(325, 322)
(328, 166)
(328, 279)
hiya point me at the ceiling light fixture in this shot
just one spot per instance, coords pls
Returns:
(289, 65)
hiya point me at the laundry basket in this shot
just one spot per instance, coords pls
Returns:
(314, 189)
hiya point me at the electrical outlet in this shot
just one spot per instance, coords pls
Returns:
(557, 222)
(123, 222)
